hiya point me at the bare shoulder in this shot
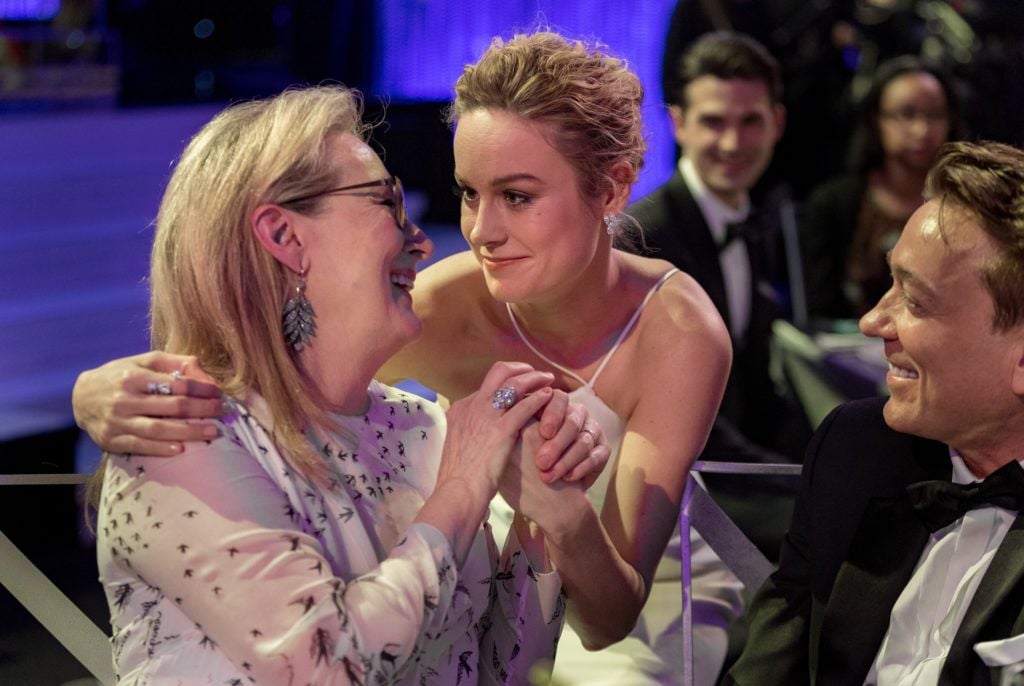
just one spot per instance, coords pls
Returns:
(679, 344)
(452, 301)
(455, 278)
(679, 312)
(450, 298)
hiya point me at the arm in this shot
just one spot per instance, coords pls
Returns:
(524, 621)
(111, 403)
(680, 379)
(478, 444)
(238, 548)
(528, 611)
(214, 536)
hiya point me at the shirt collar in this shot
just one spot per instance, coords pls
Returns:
(716, 213)
(961, 473)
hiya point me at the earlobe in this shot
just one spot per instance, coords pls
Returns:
(274, 229)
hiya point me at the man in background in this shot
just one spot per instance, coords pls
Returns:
(727, 117)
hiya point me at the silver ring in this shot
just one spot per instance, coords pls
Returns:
(504, 398)
(154, 388)
(176, 374)
(593, 436)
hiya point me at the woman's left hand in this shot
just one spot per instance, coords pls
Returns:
(575, 448)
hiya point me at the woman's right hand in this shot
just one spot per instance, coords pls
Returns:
(477, 447)
(480, 437)
(112, 404)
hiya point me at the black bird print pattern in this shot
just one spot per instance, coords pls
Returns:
(228, 553)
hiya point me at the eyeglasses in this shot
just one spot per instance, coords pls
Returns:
(392, 182)
(909, 116)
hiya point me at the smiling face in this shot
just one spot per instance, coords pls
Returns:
(522, 212)
(913, 119)
(951, 374)
(361, 263)
(729, 129)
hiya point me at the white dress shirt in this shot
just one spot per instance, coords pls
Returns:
(928, 613)
(734, 260)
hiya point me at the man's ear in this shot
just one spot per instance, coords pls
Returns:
(678, 115)
(780, 121)
(275, 231)
(1018, 367)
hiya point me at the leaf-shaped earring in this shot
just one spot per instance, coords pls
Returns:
(298, 320)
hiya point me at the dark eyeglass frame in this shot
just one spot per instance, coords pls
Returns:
(397, 193)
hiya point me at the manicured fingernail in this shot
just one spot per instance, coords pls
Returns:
(177, 447)
(210, 431)
(225, 408)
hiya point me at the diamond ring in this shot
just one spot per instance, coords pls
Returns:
(504, 398)
(154, 388)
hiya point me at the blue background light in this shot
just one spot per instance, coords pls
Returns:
(422, 45)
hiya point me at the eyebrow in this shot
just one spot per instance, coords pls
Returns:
(509, 178)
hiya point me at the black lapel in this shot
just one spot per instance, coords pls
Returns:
(994, 609)
(693, 246)
(879, 563)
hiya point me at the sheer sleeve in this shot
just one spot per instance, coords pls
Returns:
(527, 611)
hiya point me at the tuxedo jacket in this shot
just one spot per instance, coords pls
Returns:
(675, 230)
(852, 547)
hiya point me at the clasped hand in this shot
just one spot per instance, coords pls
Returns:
(532, 450)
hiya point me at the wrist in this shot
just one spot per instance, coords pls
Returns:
(531, 540)
(469, 495)
(575, 514)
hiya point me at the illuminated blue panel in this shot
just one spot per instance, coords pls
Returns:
(29, 10)
(422, 46)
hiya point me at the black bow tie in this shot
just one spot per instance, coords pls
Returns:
(940, 503)
(744, 230)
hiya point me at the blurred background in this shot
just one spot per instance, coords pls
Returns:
(98, 97)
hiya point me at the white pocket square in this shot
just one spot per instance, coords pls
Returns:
(1002, 652)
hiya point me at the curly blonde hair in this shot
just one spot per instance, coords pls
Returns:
(590, 99)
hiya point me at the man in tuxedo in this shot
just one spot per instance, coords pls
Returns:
(727, 117)
(899, 567)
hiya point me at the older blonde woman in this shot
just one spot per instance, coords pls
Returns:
(331, 531)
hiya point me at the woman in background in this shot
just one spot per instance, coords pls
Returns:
(852, 222)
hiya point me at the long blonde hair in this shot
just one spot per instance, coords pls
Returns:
(216, 293)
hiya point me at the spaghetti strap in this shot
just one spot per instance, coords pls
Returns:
(615, 346)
